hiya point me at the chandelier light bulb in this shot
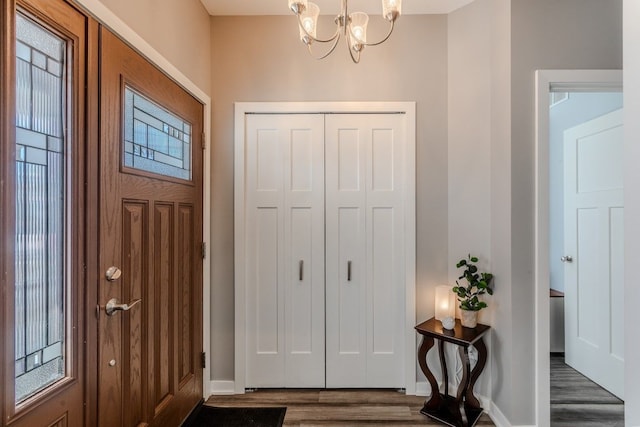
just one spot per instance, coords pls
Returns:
(358, 29)
(358, 32)
(391, 9)
(309, 23)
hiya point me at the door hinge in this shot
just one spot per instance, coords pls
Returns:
(203, 359)
(203, 249)
(204, 141)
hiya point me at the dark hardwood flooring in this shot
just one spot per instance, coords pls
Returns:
(577, 401)
(340, 408)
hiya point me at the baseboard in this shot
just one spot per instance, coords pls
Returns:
(222, 387)
(497, 416)
(423, 388)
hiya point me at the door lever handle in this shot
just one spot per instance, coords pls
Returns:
(113, 306)
(566, 258)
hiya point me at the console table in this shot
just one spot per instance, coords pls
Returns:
(463, 409)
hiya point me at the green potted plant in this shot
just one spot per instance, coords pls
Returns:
(478, 283)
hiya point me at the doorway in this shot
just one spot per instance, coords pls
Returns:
(150, 292)
(243, 288)
(554, 84)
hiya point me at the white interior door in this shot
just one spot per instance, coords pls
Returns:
(365, 262)
(285, 250)
(594, 236)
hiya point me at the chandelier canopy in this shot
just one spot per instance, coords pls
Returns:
(352, 25)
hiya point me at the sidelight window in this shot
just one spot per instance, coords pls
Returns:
(41, 209)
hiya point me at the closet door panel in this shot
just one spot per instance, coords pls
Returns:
(346, 339)
(304, 251)
(385, 299)
(265, 252)
(385, 234)
(345, 253)
(364, 166)
(285, 247)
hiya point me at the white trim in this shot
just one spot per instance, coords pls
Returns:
(566, 81)
(243, 108)
(117, 26)
(497, 416)
(221, 387)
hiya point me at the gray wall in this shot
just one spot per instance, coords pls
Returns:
(469, 147)
(577, 109)
(545, 34)
(261, 59)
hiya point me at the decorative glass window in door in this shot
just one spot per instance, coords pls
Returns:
(155, 140)
(41, 280)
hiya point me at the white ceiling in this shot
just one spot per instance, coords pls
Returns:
(329, 7)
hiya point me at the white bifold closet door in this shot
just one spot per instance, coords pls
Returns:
(285, 251)
(324, 250)
(365, 258)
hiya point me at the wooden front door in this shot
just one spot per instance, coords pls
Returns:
(150, 292)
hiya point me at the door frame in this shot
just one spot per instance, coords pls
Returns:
(106, 17)
(547, 81)
(241, 109)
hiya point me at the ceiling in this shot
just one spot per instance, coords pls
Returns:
(330, 7)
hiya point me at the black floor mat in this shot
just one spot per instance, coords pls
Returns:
(210, 416)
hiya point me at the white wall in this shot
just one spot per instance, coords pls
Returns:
(632, 208)
(577, 109)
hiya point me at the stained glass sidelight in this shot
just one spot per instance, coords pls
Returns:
(155, 140)
(40, 279)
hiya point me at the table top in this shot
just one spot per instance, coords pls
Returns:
(458, 335)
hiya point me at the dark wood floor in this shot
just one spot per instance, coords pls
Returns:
(340, 408)
(577, 401)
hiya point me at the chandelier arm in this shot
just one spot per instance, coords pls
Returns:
(335, 35)
(393, 23)
(333, 47)
(354, 58)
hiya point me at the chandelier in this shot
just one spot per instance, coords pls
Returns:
(352, 25)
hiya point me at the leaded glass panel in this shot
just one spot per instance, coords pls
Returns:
(155, 140)
(40, 280)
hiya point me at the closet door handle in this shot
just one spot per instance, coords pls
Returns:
(301, 270)
(348, 271)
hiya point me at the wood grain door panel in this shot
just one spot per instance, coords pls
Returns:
(151, 228)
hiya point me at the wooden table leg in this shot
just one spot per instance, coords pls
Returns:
(460, 413)
(436, 399)
(443, 364)
(470, 398)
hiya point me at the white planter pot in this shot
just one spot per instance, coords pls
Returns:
(469, 319)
